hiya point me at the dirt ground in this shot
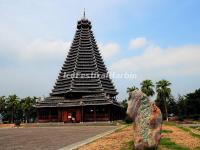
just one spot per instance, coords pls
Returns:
(113, 141)
(181, 138)
(117, 139)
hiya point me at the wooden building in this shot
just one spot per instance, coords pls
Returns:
(83, 91)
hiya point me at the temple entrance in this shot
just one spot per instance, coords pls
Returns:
(72, 117)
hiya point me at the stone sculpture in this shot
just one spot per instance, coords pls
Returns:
(147, 120)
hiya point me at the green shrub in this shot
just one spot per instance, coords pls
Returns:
(166, 131)
(166, 142)
(194, 116)
(128, 120)
(181, 118)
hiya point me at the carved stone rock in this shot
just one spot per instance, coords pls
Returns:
(147, 120)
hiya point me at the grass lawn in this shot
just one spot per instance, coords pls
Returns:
(167, 143)
(195, 127)
(184, 129)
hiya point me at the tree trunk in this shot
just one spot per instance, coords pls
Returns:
(13, 109)
(26, 118)
(166, 112)
(12, 117)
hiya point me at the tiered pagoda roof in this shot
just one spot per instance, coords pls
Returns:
(83, 77)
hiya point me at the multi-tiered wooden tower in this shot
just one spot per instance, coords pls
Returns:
(83, 91)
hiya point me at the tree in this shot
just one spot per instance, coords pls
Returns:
(126, 119)
(12, 103)
(27, 107)
(193, 103)
(189, 105)
(163, 93)
(182, 107)
(130, 89)
(124, 104)
(147, 87)
(172, 106)
(2, 107)
(2, 104)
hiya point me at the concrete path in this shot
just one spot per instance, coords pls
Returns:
(86, 141)
(50, 138)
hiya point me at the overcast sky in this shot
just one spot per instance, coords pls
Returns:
(155, 39)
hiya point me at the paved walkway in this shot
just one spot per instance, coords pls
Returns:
(50, 138)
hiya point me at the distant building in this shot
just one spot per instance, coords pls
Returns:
(83, 91)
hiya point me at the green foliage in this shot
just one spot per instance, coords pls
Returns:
(2, 103)
(124, 104)
(128, 120)
(13, 109)
(184, 129)
(169, 123)
(185, 107)
(130, 89)
(181, 118)
(166, 131)
(189, 105)
(195, 127)
(162, 88)
(189, 131)
(27, 107)
(172, 105)
(197, 148)
(12, 103)
(163, 93)
(166, 142)
(147, 87)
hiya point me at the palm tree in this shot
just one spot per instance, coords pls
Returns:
(147, 87)
(27, 106)
(12, 102)
(163, 93)
(130, 89)
(2, 103)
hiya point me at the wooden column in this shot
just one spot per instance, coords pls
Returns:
(94, 113)
(78, 115)
(59, 115)
(49, 114)
(109, 114)
(38, 117)
(82, 120)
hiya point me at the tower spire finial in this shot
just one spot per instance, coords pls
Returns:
(84, 14)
